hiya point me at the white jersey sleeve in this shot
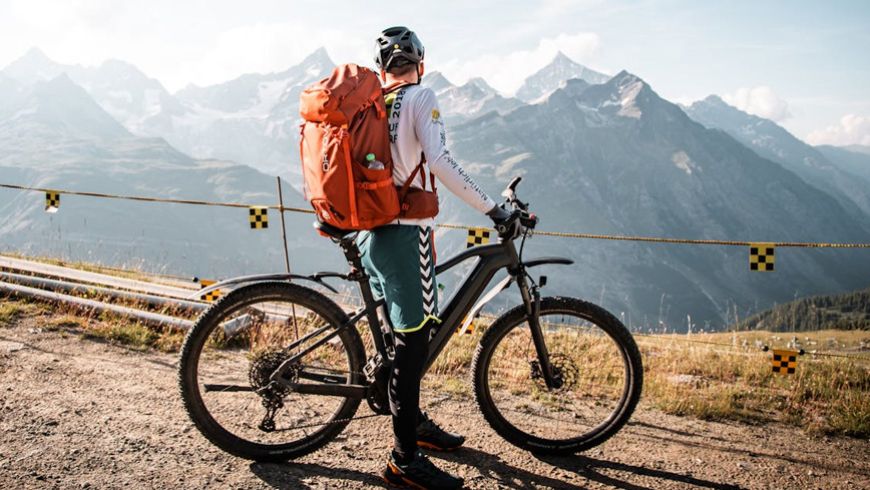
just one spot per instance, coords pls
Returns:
(429, 127)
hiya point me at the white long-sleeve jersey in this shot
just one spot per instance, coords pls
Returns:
(417, 129)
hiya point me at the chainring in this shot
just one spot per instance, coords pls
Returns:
(377, 396)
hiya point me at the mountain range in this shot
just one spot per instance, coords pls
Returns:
(54, 135)
(774, 143)
(598, 154)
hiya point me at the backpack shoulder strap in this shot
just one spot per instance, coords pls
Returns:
(407, 185)
(395, 86)
(403, 191)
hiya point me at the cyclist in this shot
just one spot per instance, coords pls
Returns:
(399, 257)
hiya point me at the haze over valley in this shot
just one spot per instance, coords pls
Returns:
(598, 153)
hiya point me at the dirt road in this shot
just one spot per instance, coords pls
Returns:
(82, 414)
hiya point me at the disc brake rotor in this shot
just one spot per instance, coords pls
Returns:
(565, 373)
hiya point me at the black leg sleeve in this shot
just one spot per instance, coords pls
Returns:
(412, 348)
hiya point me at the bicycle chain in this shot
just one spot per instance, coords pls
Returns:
(331, 422)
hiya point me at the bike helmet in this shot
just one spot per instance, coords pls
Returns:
(397, 46)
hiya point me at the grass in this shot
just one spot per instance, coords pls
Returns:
(825, 396)
(106, 327)
(65, 322)
(10, 311)
(731, 381)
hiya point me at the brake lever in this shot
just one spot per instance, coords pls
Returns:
(522, 205)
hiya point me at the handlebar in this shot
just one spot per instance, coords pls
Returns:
(520, 212)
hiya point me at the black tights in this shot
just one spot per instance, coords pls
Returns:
(412, 349)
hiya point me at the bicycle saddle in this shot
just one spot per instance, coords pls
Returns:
(331, 231)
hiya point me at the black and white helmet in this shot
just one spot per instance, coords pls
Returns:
(397, 46)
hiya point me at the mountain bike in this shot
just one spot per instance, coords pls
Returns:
(275, 370)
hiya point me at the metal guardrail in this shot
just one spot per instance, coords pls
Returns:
(151, 318)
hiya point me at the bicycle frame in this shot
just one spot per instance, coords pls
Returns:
(491, 259)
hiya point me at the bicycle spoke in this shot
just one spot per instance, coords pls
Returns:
(235, 372)
(587, 363)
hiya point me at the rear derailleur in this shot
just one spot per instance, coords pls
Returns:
(271, 392)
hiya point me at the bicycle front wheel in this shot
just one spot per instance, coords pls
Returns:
(231, 352)
(594, 358)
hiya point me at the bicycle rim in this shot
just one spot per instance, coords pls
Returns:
(593, 372)
(238, 347)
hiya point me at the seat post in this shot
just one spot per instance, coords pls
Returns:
(347, 241)
(351, 252)
(382, 337)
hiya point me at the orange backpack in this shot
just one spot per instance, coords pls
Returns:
(345, 120)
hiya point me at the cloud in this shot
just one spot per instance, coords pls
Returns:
(761, 101)
(852, 130)
(507, 72)
(269, 47)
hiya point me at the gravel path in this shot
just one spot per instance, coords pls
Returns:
(83, 414)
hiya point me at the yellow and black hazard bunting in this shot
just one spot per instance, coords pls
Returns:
(477, 236)
(259, 217)
(761, 257)
(784, 361)
(210, 296)
(52, 201)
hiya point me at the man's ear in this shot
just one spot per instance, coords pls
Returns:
(421, 69)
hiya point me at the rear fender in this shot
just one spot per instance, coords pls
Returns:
(242, 280)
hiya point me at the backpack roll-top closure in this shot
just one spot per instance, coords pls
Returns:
(338, 97)
(318, 104)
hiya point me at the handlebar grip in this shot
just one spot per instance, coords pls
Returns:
(529, 221)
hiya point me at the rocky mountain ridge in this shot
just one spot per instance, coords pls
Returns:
(610, 158)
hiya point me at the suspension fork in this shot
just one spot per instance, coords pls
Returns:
(532, 302)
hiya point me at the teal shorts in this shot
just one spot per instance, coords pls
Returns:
(400, 263)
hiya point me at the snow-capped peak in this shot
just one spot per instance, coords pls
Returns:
(35, 55)
(320, 57)
(480, 83)
(628, 87)
(436, 81)
(552, 76)
(32, 67)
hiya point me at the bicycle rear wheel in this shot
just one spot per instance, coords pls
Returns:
(593, 355)
(235, 346)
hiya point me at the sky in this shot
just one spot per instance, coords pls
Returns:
(801, 63)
